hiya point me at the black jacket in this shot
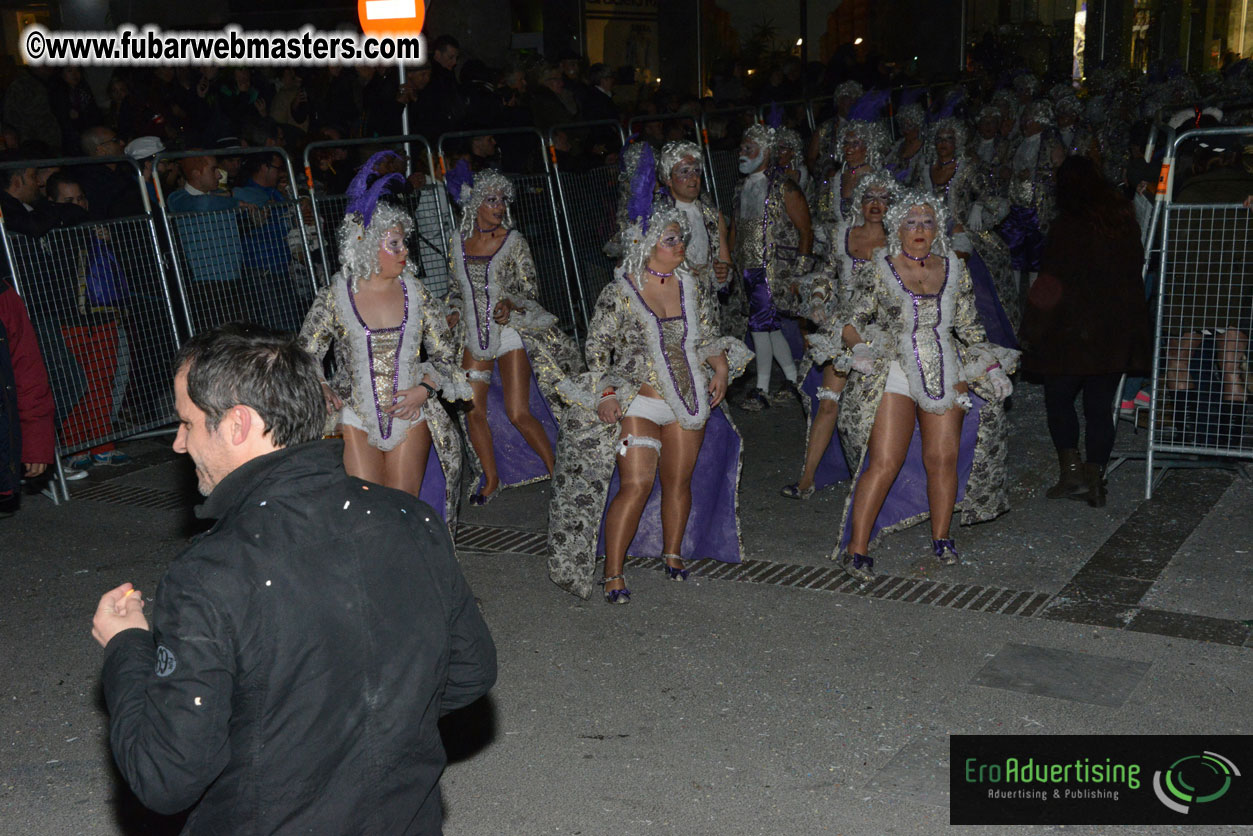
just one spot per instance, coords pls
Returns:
(302, 651)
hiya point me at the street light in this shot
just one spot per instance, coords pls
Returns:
(800, 41)
(857, 41)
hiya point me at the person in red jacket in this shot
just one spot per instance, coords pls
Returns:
(27, 443)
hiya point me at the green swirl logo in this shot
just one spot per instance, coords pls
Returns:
(1194, 779)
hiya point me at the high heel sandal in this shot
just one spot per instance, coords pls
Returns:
(858, 565)
(794, 491)
(616, 596)
(675, 573)
(945, 552)
(479, 499)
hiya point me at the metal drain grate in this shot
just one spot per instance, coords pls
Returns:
(957, 596)
(487, 538)
(131, 495)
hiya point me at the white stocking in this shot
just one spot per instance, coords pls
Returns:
(783, 354)
(765, 359)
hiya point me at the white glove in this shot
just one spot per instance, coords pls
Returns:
(863, 358)
(999, 381)
(962, 243)
(974, 222)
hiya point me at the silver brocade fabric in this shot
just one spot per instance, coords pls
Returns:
(480, 312)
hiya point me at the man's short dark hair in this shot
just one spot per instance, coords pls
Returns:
(444, 41)
(56, 181)
(239, 363)
(252, 163)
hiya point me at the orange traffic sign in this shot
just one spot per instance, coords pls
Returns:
(391, 17)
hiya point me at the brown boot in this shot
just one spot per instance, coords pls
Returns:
(1094, 477)
(1071, 482)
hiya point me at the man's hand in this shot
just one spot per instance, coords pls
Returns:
(119, 609)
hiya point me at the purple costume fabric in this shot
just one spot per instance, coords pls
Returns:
(907, 498)
(711, 527)
(762, 313)
(516, 462)
(434, 485)
(988, 304)
(1021, 231)
(832, 467)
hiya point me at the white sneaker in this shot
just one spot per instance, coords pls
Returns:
(73, 474)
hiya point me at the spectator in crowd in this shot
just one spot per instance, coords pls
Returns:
(74, 105)
(266, 255)
(442, 100)
(382, 102)
(28, 107)
(599, 103)
(551, 103)
(571, 66)
(208, 229)
(291, 101)
(27, 435)
(30, 219)
(240, 99)
(334, 96)
(331, 169)
(89, 293)
(256, 715)
(112, 189)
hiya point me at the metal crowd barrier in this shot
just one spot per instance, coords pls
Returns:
(428, 206)
(797, 109)
(535, 213)
(242, 261)
(97, 296)
(1201, 379)
(588, 196)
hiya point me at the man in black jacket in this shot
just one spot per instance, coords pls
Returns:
(303, 649)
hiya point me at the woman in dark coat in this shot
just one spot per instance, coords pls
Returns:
(1086, 322)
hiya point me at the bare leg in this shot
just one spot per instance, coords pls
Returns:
(476, 425)
(885, 453)
(515, 376)
(822, 428)
(941, 437)
(405, 464)
(679, 448)
(360, 458)
(636, 472)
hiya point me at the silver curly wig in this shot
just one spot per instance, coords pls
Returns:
(638, 245)
(951, 125)
(989, 112)
(763, 135)
(359, 246)
(911, 116)
(1070, 105)
(900, 208)
(1026, 83)
(872, 133)
(486, 182)
(1039, 111)
(787, 139)
(874, 180)
(673, 153)
(849, 89)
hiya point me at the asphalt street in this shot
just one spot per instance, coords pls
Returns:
(773, 697)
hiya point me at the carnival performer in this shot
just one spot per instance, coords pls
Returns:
(380, 317)
(513, 351)
(1031, 191)
(1072, 133)
(823, 145)
(974, 209)
(904, 156)
(773, 243)
(862, 149)
(791, 160)
(920, 363)
(649, 404)
(826, 364)
(992, 149)
(708, 255)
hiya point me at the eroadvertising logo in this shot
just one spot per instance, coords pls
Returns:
(1099, 779)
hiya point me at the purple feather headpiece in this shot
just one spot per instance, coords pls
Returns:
(640, 203)
(363, 196)
(458, 180)
(869, 107)
(774, 118)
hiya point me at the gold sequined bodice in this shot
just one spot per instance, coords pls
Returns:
(673, 330)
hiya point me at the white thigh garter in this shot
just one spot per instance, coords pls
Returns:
(638, 441)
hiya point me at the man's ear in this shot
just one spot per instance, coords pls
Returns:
(243, 422)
